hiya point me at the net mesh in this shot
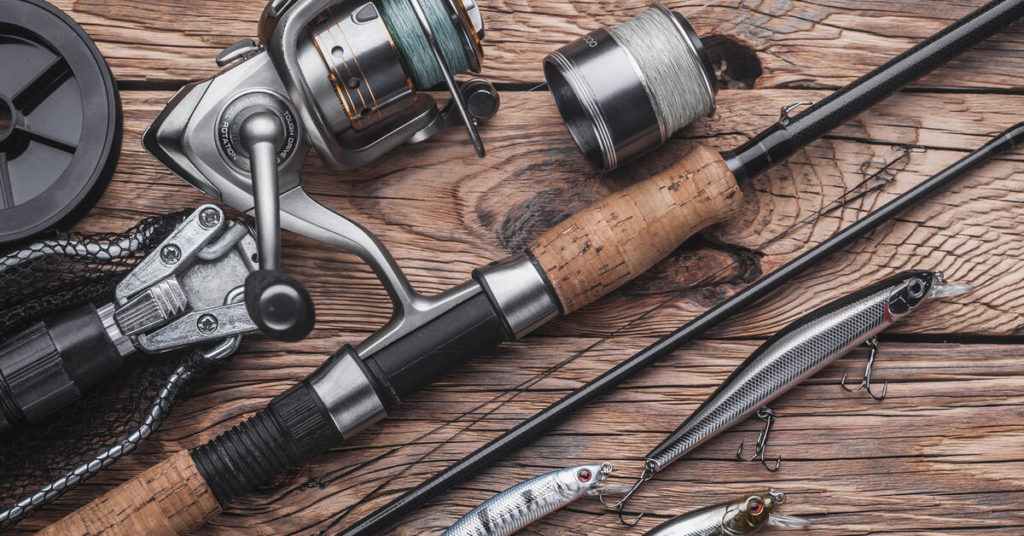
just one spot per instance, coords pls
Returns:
(51, 276)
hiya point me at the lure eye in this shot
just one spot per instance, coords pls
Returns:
(584, 475)
(915, 288)
(755, 506)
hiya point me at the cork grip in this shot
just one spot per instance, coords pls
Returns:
(167, 500)
(616, 239)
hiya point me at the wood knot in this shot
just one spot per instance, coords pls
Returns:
(736, 64)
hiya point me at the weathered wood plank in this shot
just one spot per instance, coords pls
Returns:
(815, 43)
(949, 432)
(943, 455)
(443, 213)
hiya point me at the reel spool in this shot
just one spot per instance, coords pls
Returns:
(60, 120)
(354, 68)
(343, 76)
(624, 91)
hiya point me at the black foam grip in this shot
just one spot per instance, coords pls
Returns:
(47, 366)
(294, 428)
(421, 357)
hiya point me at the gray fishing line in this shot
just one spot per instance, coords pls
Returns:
(669, 66)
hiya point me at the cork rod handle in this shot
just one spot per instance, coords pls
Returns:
(616, 239)
(169, 499)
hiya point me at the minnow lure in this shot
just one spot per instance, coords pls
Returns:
(794, 354)
(731, 519)
(520, 505)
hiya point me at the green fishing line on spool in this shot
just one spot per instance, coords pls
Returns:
(405, 29)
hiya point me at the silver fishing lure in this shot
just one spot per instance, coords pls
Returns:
(794, 354)
(520, 505)
(732, 519)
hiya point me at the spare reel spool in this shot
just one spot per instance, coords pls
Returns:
(624, 91)
(60, 120)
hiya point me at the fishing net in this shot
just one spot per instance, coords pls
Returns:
(62, 272)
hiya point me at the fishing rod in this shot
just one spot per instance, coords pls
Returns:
(586, 256)
(536, 425)
(752, 158)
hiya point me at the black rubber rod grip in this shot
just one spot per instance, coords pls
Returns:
(49, 365)
(468, 330)
(293, 428)
(533, 427)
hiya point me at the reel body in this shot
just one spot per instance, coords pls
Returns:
(291, 92)
(332, 75)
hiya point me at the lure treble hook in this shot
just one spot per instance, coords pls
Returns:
(647, 474)
(767, 415)
(866, 382)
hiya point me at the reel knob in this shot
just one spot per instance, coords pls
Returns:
(279, 305)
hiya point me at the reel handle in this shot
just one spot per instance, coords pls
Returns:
(277, 303)
(605, 245)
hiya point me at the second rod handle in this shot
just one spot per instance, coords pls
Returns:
(168, 499)
(607, 244)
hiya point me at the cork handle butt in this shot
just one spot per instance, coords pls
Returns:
(169, 499)
(609, 243)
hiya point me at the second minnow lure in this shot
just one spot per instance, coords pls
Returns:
(794, 354)
(731, 519)
(520, 505)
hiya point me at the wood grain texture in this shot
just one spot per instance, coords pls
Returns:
(949, 433)
(943, 455)
(443, 213)
(602, 247)
(168, 499)
(176, 40)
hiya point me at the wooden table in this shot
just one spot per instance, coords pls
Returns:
(944, 454)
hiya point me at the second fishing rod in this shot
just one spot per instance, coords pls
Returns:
(578, 261)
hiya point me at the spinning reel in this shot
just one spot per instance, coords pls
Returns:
(342, 76)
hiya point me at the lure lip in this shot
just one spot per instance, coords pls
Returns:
(782, 520)
(941, 289)
(609, 489)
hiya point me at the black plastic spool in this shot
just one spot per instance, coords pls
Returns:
(60, 120)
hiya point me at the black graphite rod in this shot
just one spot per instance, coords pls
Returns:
(788, 136)
(541, 422)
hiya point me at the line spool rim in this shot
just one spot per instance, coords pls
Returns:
(624, 90)
(471, 38)
(87, 151)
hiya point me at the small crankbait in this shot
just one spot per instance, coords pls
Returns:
(520, 505)
(794, 354)
(731, 519)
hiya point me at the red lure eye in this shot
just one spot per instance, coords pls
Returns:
(755, 507)
(584, 475)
